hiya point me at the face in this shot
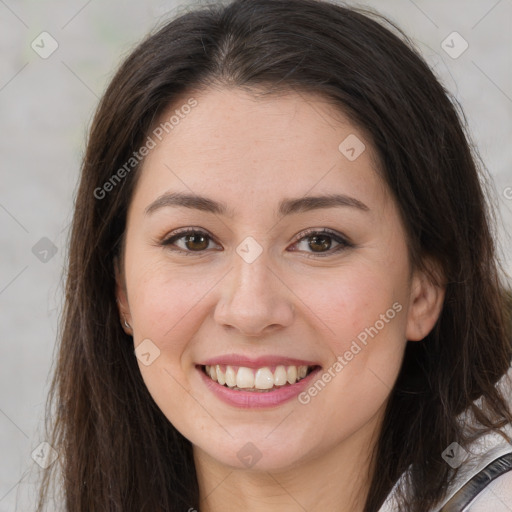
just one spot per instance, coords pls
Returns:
(262, 277)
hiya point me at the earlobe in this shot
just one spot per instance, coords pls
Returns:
(425, 306)
(121, 298)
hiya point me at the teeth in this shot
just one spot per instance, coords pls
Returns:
(244, 378)
(291, 374)
(261, 378)
(230, 377)
(264, 379)
(280, 376)
(221, 378)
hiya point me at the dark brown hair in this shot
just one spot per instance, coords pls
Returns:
(118, 452)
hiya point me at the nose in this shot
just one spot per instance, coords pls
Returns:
(254, 298)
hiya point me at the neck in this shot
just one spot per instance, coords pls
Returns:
(338, 479)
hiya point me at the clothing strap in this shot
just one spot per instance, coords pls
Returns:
(467, 493)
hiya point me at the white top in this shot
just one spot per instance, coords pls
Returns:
(497, 496)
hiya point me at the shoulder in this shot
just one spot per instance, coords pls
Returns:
(484, 474)
(490, 483)
(483, 481)
(497, 496)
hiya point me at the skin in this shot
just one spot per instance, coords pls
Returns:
(251, 153)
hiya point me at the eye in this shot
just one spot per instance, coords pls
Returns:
(194, 241)
(197, 241)
(321, 242)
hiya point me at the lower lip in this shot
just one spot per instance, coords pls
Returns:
(255, 399)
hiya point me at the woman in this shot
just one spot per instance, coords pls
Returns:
(282, 290)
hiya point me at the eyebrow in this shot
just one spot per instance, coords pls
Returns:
(286, 206)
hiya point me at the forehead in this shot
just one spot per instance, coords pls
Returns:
(244, 148)
(234, 119)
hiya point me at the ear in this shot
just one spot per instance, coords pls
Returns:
(121, 297)
(425, 305)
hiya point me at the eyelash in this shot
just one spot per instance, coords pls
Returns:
(342, 241)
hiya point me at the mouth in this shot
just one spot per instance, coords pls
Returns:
(259, 380)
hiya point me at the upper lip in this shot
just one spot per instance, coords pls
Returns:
(259, 362)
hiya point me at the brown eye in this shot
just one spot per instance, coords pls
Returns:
(321, 242)
(188, 241)
(196, 242)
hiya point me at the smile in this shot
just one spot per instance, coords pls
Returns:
(264, 379)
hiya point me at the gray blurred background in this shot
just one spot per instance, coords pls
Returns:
(56, 59)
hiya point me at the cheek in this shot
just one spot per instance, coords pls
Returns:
(364, 310)
(365, 313)
(350, 301)
(164, 303)
(164, 310)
